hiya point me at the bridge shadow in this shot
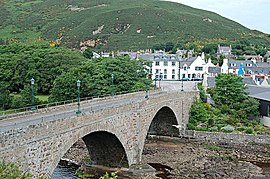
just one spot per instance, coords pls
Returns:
(105, 149)
(162, 124)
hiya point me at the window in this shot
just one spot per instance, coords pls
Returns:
(199, 68)
(157, 70)
(173, 76)
(173, 71)
(157, 63)
(165, 71)
(183, 75)
(165, 77)
(165, 63)
(188, 75)
(185, 67)
(173, 63)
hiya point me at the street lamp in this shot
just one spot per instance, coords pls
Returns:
(146, 88)
(112, 84)
(155, 82)
(159, 79)
(78, 97)
(33, 108)
(182, 81)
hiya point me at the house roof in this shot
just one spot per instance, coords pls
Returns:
(188, 61)
(258, 92)
(263, 64)
(224, 48)
(239, 62)
(159, 57)
(257, 70)
(249, 80)
(215, 70)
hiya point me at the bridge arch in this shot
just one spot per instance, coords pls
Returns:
(163, 121)
(104, 148)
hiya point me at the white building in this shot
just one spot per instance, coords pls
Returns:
(170, 67)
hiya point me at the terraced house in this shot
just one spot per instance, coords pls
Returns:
(171, 67)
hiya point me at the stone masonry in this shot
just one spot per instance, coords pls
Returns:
(39, 147)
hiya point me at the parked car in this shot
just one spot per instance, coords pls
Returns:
(196, 79)
(185, 79)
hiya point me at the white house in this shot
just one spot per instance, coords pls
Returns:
(170, 67)
(193, 68)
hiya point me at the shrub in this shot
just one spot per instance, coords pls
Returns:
(228, 128)
(191, 126)
(11, 170)
(249, 130)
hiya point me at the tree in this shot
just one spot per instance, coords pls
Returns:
(96, 78)
(229, 90)
(5, 98)
(88, 53)
(169, 46)
(20, 62)
(231, 98)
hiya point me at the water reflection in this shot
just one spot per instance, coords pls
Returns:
(64, 172)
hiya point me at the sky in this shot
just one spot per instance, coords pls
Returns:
(253, 14)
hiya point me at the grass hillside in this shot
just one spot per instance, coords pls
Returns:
(117, 24)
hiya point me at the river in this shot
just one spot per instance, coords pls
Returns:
(199, 160)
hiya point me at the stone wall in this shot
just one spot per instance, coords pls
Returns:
(228, 137)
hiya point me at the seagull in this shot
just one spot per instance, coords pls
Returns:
(177, 126)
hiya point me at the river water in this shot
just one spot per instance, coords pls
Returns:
(64, 172)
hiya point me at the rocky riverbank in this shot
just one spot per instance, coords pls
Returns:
(196, 159)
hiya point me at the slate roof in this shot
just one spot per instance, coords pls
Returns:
(258, 92)
(238, 63)
(188, 61)
(257, 70)
(159, 57)
(215, 70)
(248, 80)
(263, 64)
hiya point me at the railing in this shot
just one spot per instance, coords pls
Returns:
(39, 108)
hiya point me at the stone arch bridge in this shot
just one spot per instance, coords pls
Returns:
(114, 129)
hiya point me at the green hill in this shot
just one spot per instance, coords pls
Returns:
(117, 24)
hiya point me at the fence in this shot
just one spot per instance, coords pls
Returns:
(62, 104)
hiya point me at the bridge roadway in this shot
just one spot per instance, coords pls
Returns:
(68, 110)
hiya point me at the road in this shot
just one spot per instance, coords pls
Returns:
(177, 85)
(66, 111)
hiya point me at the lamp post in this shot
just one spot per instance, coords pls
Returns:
(112, 84)
(155, 82)
(78, 97)
(159, 79)
(146, 87)
(182, 81)
(33, 108)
